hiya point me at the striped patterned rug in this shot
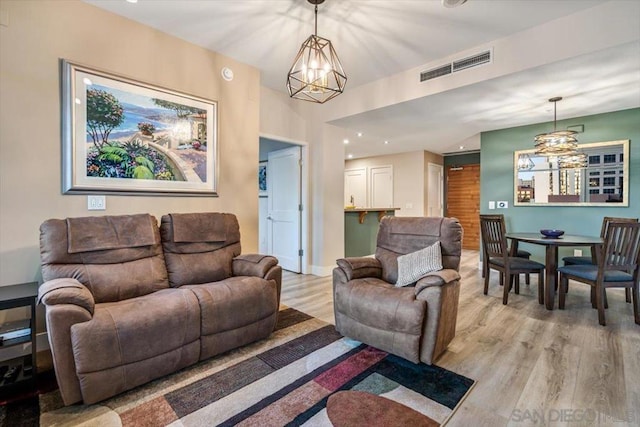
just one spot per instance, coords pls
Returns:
(291, 378)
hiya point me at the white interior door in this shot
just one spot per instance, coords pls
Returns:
(355, 185)
(381, 179)
(435, 199)
(284, 201)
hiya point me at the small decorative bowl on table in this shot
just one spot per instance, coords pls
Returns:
(552, 234)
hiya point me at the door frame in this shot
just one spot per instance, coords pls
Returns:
(304, 197)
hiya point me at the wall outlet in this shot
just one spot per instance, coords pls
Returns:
(96, 203)
(492, 205)
(577, 252)
(503, 204)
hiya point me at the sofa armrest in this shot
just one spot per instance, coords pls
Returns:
(436, 278)
(359, 267)
(66, 291)
(253, 265)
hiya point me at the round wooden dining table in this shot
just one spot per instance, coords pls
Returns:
(551, 255)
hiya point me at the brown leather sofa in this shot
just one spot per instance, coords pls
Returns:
(416, 322)
(128, 301)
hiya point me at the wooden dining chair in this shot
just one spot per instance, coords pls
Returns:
(617, 267)
(520, 253)
(588, 260)
(497, 257)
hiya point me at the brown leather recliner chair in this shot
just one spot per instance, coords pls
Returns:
(416, 322)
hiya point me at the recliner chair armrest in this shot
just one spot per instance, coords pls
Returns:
(359, 267)
(253, 265)
(436, 278)
(66, 291)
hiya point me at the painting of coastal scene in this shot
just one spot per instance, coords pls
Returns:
(140, 138)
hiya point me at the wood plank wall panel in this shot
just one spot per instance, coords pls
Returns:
(463, 201)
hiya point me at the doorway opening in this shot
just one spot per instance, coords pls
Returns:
(282, 206)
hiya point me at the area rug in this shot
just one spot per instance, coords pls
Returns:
(286, 379)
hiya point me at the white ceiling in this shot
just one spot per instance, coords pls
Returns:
(376, 39)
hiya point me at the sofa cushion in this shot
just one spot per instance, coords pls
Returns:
(381, 305)
(234, 302)
(402, 235)
(90, 234)
(136, 329)
(194, 255)
(119, 268)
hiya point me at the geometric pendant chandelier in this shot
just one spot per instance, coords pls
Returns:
(558, 142)
(316, 74)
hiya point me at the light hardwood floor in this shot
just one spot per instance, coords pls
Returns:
(532, 366)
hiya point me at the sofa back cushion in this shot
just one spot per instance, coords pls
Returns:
(199, 247)
(115, 257)
(402, 235)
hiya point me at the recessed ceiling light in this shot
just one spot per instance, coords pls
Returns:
(462, 147)
(359, 134)
(132, 1)
(350, 156)
(386, 142)
(346, 141)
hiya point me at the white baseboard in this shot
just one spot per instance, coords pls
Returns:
(318, 270)
(42, 343)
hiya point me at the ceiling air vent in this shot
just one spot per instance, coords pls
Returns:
(435, 72)
(472, 61)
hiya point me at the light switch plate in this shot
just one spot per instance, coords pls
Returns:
(492, 205)
(503, 204)
(96, 203)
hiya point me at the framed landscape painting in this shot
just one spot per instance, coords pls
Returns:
(126, 137)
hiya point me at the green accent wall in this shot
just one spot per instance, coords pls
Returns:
(496, 176)
(361, 239)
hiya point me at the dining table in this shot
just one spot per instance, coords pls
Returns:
(551, 245)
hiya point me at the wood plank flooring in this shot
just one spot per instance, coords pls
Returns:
(533, 367)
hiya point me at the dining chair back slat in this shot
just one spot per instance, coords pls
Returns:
(622, 241)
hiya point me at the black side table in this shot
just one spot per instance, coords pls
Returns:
(19, 373)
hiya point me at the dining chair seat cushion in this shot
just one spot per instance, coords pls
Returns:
(590, 272)
(577, 260)
(523, 254)
(517, 263)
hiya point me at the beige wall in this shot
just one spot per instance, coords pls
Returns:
(408, 179)
(42, 32)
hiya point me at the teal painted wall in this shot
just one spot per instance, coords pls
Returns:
(496, 176)
(361, 239)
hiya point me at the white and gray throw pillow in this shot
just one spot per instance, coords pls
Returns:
(414, 265)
